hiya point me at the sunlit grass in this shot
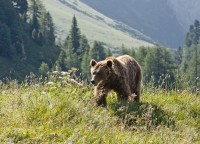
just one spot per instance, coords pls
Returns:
(63, 112)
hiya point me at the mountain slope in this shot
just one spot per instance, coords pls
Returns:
(155, 18)
(93, 24)
(186, 11)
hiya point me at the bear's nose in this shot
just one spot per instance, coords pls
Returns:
(92, 81)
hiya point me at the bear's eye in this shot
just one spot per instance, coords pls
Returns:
(94, 73)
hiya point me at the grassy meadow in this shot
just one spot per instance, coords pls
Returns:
(60, 111)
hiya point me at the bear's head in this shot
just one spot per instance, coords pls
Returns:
(100, 71)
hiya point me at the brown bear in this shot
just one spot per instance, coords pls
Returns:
(121, 74)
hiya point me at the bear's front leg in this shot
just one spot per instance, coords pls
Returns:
(123, 93)
(100, 96)
(101, 100)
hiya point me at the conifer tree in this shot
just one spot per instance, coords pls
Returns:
(35, 12)
(84, 47)
(47, 27)
(85, 66)
(71, 57)
(97, 51)
(75, 35)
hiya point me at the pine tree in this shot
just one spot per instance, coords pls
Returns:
(47, 27)
(97, 51)
(84, 46)
(71, 57)
(75, 35)
(35, 11)
(85, 66)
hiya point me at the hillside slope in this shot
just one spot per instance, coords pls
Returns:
(165, 21)
(186, 11)
(93, 24)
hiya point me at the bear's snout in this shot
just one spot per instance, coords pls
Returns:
(93, 82)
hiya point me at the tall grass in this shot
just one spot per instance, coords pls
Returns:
(58, 110)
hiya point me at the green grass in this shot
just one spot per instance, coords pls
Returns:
(93, 24)
(66, 113)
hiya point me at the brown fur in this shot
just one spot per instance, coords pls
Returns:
(121, 74)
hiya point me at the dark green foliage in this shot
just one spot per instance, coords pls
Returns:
(141, 54)
(75, 46)
(60, 63)
(44, 68)
(39, 38)
(158, 65)
(34, 34)
(42, 26)
(47, 28)
(84, 46)
(35, 13)
(193, 35)
(9, 17)
(190, 65)
(5, 42)
(19, 54)
(126, 51)
(77, 52)
(21, 6)
(178, 56)
(97, 51)
(85, 66)
(71, 59)
(13, 31)
(8, 14)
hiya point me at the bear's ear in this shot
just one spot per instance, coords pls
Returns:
(93, 62)
(109, 63)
